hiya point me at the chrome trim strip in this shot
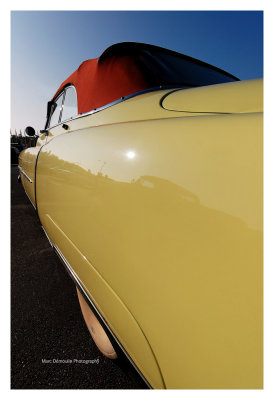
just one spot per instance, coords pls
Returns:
(129, 96)
(50, 242)
(23, 172)
(62, 106)
(20, 170)
(93, 307)
(30, 200)
(121, 99)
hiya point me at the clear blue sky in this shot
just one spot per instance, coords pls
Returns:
(47, 46)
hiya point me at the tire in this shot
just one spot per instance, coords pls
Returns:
(96, 330)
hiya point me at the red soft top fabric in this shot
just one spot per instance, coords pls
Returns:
(99, 83)
(128, 67)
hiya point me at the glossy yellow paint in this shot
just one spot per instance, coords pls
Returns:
(27, 163)
(160, 215)
(235, 97)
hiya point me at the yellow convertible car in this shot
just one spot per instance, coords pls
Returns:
(147, 180)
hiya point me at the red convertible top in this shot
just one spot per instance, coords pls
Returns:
(129, 67)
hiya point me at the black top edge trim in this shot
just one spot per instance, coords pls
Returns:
(133, 47)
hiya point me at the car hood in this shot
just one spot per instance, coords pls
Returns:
(234, 97)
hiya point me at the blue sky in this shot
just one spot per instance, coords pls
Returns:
(47, 46)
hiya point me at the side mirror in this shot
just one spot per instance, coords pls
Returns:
(30, 131)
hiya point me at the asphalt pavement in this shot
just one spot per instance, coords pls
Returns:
(50, 345)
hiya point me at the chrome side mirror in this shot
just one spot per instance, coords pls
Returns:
(30, 131)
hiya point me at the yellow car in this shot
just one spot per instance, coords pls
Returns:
(147, 180)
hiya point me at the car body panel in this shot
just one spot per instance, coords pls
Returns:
(159, 213)
(27, 161)
(236, 97)
(110, 306)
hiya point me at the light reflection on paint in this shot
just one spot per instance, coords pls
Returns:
(130, 154)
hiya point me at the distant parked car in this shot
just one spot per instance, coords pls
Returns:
(147, 180)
